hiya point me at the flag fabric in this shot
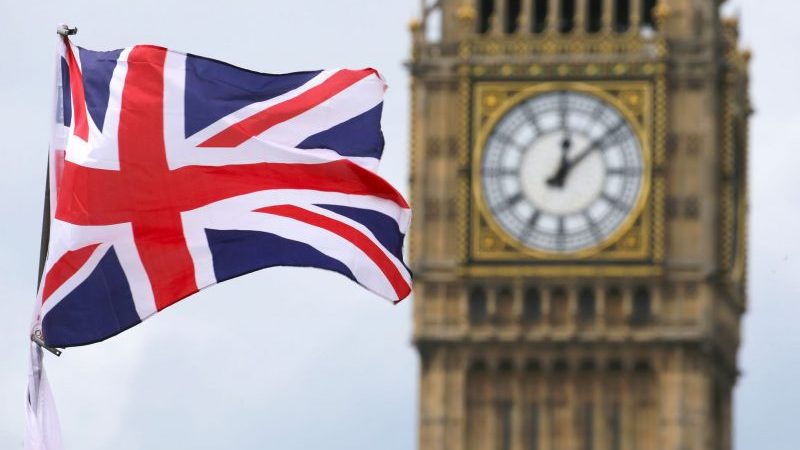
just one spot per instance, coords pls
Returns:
(171, 172)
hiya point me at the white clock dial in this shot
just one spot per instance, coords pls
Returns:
(562, 171)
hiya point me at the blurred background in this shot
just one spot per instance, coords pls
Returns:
(292, 358)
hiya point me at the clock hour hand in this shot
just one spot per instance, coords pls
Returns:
(557, 180)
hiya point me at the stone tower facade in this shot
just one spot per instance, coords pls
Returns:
(579, 244)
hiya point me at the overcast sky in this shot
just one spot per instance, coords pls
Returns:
(298, 359)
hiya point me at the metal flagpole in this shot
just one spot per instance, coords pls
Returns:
(45, 227)
(64, 31)
(36, 336)
(42, 430)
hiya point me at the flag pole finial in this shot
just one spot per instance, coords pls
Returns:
(66, 30)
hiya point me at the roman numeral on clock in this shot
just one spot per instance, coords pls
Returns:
(506, 141)
(624, 171)
(614, 202)
(510, 202)
(593, 228)
(561, 233)
(499, 172)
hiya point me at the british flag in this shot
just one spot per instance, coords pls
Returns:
(172, 172)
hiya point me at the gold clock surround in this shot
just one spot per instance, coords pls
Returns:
(482, 211)
(636, 243)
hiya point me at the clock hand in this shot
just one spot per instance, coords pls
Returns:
(594, 145)
(557, 180)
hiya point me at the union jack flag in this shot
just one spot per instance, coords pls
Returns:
(172, 172)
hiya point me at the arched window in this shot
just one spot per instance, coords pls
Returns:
(586, 305)
(648, 7)
(504, 309)
(641, 306)
(587, 425)
(558, 306)
(532, 306)
(567, 16)
(485, 16)
(540, 11)
(595, 22)
(478, 308)
(622, 15)
(613, 307)
(533, 426)
(643, 385)
(513, 9)
(615, 427)
(478, 401)
(558, 385)
(503, 405)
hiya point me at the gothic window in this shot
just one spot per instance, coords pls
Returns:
(614, 309)
(432, 208)
(672, 207)
(452, 210)
(692, 144)
(540, 11)
(433, 147)
(505, 305)
(623, 15)
(485, 17)
(558, 306)
(648, 7)
(615, 428)
(558, 387)
(452, 147)
(504, 405)
(533, 427)
(690, 290)
(513, 10)
(478, 308)
(692, 208)
(586, 305)
(477, 399)
(595, 22)
(504, 421)
(587, 419)
(642, 388)
(433, 24)
(641, 306)
(532, 306)
(567, 16)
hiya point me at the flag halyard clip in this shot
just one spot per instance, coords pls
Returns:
(37, 338)
(66, 30)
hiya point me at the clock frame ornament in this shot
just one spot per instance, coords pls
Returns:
(635, 243)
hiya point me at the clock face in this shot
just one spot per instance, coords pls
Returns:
(562, 171)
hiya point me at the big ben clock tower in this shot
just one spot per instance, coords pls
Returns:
(579, 243)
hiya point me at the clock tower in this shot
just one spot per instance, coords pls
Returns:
(579, 241)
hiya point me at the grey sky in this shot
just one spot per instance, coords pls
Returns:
(292, 358)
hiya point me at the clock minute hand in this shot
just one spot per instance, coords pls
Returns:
(594, 145)
(582, 155)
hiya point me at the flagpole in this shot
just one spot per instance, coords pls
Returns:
(45, 227)
(65, 31)
(42, 429)
(45, 240)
